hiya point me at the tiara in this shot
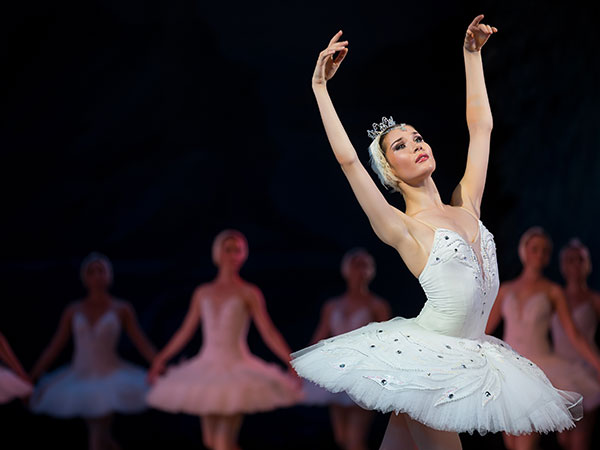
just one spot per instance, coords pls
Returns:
(379, 128)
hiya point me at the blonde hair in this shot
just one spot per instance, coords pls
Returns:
(576, 244)
(92, 258)
(353, 253)
(380, 164)
(222, 237)
(530, 233)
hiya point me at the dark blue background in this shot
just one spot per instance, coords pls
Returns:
(143, 128)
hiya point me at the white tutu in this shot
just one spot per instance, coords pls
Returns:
(63, 393)
(224, 378)
(12, 386)
(445, 382)
(97, 382)
(440, 368)
(571, 376)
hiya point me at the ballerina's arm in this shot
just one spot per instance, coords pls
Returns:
(269, 333)
(58, 342)
(381, 310)
(137, 336)
(557, 296)
(185, 331)
(323, 330)
(496, 312)
(383, 217)
(596, 303)
(10, 359)
(469, 191)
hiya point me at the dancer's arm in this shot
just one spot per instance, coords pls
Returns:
(10, 359)
(58, 342)
(381, 310)
(182, 335)
(323, 330)
(133, 329)
(596, 303)
(265, 326)
(385, 219)
(469, 191)
(496, 312)
(557, 296)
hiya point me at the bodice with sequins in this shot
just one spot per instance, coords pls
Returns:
(460, 291)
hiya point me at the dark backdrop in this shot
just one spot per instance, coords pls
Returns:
(142, 128)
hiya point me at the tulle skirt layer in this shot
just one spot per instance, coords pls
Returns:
(11, 386)
(446, 382)
(217, 385)
(65, 393)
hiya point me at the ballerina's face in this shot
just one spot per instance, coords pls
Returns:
(574, 265)
(537, 252)
(97, 277)
(233, 252)
(360, 269)
(408, 154)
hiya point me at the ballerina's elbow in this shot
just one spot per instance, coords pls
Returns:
(346, 161)
(481, 126)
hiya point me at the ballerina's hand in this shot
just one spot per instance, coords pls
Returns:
(326, 64)
(155, 371)
(294, 375)
(478, 34)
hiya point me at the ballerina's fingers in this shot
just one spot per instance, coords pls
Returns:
(341, 56)
(335, 37)
(476, 21)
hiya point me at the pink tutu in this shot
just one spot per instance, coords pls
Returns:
(204, 385)
(11, 386)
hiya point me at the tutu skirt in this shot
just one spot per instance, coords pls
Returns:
(64, 393)
(224, 385)
(12, 386)
(571, 376)
(445, 382)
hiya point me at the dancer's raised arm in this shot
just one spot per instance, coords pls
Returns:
(384, 218)
(469, 191)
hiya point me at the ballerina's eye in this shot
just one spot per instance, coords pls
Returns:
(399, 146)
(418, 139)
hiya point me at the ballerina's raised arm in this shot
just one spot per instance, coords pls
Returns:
(403, 160)
(385, 219)
(469, 191)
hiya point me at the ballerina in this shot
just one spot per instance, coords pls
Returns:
(356, 308)
(584, 303)
(526, 304)
(97, 383)
(438, 372)
(224, 380)
(14, 381)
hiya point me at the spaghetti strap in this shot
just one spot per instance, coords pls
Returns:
(425, 223)
(476, 218)
(470, 212)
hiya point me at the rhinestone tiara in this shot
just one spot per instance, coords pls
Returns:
(379, 128)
